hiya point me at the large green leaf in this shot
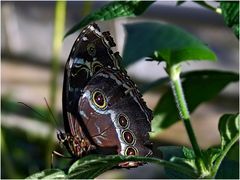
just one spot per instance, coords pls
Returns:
(230, 12)
(113, 10)
(198, 86)
(92, 166)
(162, 42)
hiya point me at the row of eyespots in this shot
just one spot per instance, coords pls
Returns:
(127, 135)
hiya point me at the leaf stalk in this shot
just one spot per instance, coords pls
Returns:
(174, 74)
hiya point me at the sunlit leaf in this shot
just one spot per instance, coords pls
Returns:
(92, 166)
(163, 42)
(48, 174)
(113, 10)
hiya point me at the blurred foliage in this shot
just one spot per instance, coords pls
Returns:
(37, 113)
(230, 12)
(24, 153)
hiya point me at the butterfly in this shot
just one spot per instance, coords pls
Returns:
(103, 110)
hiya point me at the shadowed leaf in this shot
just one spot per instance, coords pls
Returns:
(199, 87)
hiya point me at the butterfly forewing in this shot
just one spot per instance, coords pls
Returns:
(90, 52)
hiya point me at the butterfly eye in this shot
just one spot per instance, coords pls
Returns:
(99, 100)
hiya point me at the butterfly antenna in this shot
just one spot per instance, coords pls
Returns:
(33, 110)
(49, 109)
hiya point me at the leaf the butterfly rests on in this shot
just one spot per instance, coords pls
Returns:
(103, 110)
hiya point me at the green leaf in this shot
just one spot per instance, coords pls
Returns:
(92, 166)
(48, 174)
(113, 10)
(176, 155)
(179, 2)
(229, 128)
(188, 153)
(210, 155)
(199, 87)
(230, 12)
(162, 42)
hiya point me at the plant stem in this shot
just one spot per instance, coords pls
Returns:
(59, 24)
(60, 13)
(174, 73)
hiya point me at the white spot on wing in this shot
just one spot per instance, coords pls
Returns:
(84, 38)
(91, 28)
(70, 63)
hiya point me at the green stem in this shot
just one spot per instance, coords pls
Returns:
(59, 24)
(60, 13)
(174, 73)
